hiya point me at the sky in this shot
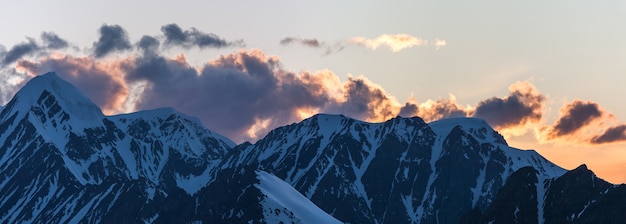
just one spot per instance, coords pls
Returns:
(548, 75)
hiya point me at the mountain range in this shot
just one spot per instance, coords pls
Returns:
(63, 161)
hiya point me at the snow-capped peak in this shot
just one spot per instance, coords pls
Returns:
(325, 119)
(164, 114)
(477, 127)
(47, 88)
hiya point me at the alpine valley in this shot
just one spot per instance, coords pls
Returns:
(63, 161)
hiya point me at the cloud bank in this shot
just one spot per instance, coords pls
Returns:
(246, 93)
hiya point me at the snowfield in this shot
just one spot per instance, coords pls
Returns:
(281, 193)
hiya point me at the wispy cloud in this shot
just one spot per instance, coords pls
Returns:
(314, 43)
(439, 43)
(395, 42)
(306, 42)
(176, 36)
(31, 47)
(20, 50)
(53, 41)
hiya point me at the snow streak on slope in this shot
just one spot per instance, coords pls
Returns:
(281, 193)
(542, 184)
(163, 138)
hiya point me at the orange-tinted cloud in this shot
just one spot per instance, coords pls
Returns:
(232, 94)
(364, 100)
(574, 117)
(245, 94)
(432, 110)
(101, 81)
(612, 134)
(584, 122)
(409, 109)
(522, 106)
(439, 43)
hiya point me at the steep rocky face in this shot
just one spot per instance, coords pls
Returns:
(399, 171)
(577, 196)
(580, 197)
(516, 201)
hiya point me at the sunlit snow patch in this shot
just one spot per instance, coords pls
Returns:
(282, 194)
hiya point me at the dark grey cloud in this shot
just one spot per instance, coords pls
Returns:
(408, 110)
(149, 45)
(523, 105)
(3, 52)
(576, 116)
(53, 41)
(306, 42)
(612, 134)
(364, 101)
(112, 38)
(230, 94)
(20, 50)
(176, 36)
(30, 48)
(313, 43)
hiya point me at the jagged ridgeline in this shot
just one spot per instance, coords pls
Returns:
(63, 161)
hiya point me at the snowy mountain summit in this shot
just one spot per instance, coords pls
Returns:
(63, 161)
